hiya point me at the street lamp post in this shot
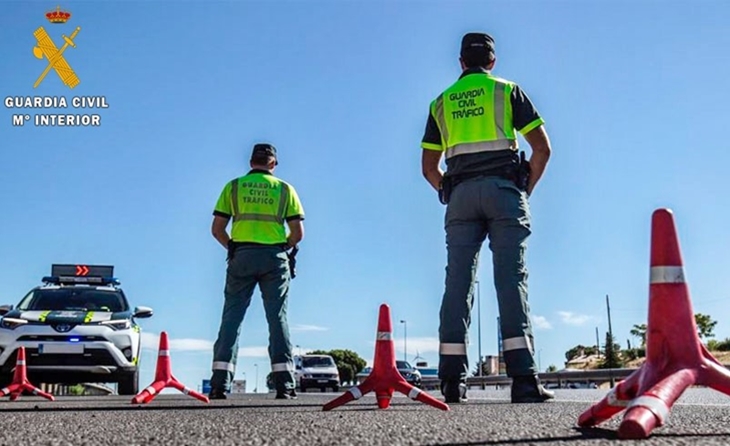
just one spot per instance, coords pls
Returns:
(405, 339)
(479, 324)
(256, 385)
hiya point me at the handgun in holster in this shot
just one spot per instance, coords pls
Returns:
(523, 172)
(447, 186)
(292, 255)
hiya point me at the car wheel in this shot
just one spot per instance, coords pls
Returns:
(128, 383)
(335, 388)
(303, 389)
(323, 389)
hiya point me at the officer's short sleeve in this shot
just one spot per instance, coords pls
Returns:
(432, 136)
(294, 208)
(524, 114)
(223, 206)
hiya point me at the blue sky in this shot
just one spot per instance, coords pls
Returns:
(632, 94)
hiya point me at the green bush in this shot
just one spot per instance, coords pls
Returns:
(722, 346)
(633, 353)
(77, 390)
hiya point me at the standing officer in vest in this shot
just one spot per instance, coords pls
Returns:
(486, 188)
(260, 205)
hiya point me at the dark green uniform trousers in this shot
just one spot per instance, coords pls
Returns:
(484, 207)
(268, 268)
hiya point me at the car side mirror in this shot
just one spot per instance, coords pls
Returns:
(5, 309)
(143, 312)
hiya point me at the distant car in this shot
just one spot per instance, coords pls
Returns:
(77, 327)
(429, 377)
(362, 375)
(411, 374)
(318, 371)
(582, 385)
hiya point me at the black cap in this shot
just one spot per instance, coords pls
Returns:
(264, 149)
(477, 42)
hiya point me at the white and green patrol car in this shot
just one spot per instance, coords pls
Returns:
(77, 327)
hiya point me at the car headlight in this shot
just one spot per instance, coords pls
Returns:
(306, 375)
(119, 324)
(11, 323)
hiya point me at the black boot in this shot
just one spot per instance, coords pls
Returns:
(527, 389)
(453, 391)
(286, 394)
(217, 394)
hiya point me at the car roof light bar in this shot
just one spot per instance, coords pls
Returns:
(64, 280)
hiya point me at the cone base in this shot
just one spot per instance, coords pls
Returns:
(678, 359)
(385, 378)
(164, 377)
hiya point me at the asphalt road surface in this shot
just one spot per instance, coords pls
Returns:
(700, 417)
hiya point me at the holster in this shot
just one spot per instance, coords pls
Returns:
(523, 173)
(292, 255)
(447, 185)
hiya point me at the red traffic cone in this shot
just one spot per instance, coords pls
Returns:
(675, 356)
(20, 381)
(385, 378)
(164, 377)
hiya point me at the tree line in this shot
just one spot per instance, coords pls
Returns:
(616, 357)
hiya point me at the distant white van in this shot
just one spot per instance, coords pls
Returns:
(316, 371)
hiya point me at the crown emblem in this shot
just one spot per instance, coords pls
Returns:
(58, 16)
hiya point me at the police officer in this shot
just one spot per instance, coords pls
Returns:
(261, 206)
(486, 189)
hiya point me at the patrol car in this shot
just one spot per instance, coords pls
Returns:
(76, 327)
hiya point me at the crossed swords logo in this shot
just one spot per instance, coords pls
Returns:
(55, 58)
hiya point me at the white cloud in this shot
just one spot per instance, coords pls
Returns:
(151, 341)
(420, 345)
(303, 327)
(574, 319)
(540, 322)
(254, 352)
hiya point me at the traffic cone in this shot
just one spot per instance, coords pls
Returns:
(385, 377)
(20, 381)
(675, 356)
(164, 377)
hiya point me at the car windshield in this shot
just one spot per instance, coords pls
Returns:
(73, 299)
(403, 365)
(317, 361)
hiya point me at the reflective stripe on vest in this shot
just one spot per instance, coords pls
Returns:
(475, 115)
(242, 216)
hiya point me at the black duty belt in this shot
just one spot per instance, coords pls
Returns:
(237, 245)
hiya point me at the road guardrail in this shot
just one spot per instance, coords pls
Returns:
(561, 377)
